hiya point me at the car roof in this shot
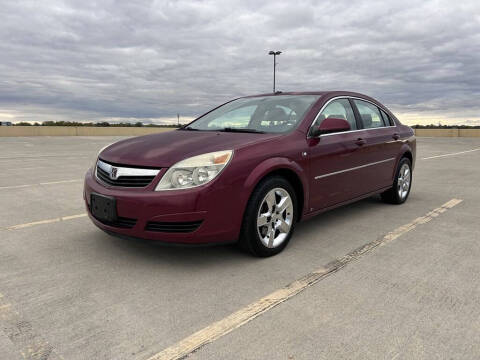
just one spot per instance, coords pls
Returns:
(325, 95)
(329, 93)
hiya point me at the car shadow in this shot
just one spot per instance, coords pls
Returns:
(180, 255)
(343, 212)
(218, 254)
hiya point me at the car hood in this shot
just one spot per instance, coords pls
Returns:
(167, 148)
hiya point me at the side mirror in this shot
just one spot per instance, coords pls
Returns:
(330, 125)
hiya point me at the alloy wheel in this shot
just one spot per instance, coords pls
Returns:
(404, 180)
(275, 217)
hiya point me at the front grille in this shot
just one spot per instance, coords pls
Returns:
(125, 181)
(127, 177)
(120, 222)
(173, 227)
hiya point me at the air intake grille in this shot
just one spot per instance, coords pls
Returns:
(120, 222)
(173, 227)
(124, 176)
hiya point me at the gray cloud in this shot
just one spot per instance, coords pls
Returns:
(85, 60)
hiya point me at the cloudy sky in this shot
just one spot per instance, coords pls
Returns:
(149, 60)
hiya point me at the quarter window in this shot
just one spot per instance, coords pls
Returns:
(339, 109)
(369, 114)
(386, 119)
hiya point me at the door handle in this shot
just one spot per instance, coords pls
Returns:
(360, 142)
(396, 136)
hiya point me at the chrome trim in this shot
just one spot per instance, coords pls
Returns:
(345, 132)
(354, 168)
(123, 171)
(351, 131)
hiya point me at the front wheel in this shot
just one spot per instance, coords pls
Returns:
(398, 194)
(269, 218)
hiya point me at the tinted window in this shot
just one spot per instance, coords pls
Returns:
(339, 109)
(386, 119)
(369, 114)
(272, 114)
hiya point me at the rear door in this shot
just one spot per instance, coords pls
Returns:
(332, 158)
(380, 149)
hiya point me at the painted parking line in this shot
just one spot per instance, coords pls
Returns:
(450, 154)
(222, 327)
(31, 156)
(25, 168)
(40, 184)
(41, 222)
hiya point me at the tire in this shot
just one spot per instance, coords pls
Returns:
(272, 237)
(400, 190)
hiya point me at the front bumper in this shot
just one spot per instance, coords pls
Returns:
(219, 220)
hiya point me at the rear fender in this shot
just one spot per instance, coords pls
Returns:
(406, 148)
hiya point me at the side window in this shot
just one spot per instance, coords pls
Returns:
(339, 109)
(386, 119)
(369, 114)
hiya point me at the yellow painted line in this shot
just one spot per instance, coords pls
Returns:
(31, 156)
(26, 168)
(40, 184)
(5, 307)
(222, 327)
(60, 182)
(41, 222)
(451, 154)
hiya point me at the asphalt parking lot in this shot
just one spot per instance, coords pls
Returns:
(70, 291)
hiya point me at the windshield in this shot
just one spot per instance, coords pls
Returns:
(266, 114)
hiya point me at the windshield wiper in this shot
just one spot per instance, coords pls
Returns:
(189, 128)
(242, 130)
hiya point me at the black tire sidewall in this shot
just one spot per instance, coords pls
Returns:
(249, 238)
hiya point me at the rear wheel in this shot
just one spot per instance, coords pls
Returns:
(398, 194)
(269, 218)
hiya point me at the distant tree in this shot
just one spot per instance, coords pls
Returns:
(433, 126)
(104, 123)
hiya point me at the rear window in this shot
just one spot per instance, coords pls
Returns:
(370, 114)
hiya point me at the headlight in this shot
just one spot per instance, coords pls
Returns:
(195, 171)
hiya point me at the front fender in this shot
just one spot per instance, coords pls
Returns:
(271, 165)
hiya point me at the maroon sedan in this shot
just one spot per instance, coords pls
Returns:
(248, 170)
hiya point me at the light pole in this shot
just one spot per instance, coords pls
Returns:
(274, 53)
